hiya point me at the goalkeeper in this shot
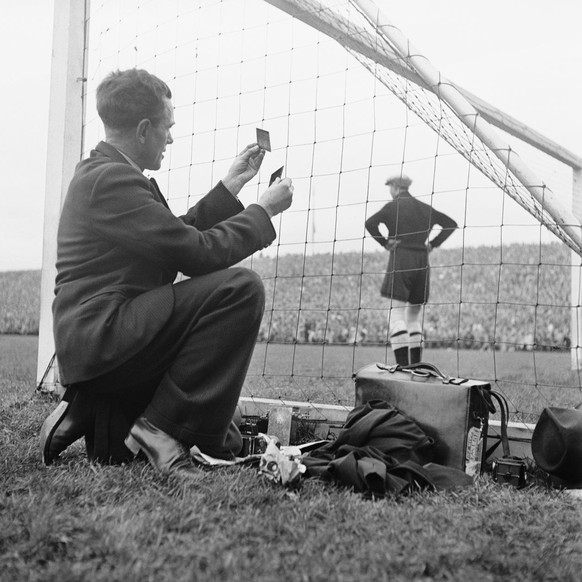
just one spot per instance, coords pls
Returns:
(407, 280)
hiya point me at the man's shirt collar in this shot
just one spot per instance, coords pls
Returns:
(128, 158)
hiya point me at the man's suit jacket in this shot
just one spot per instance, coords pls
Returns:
(119, 251)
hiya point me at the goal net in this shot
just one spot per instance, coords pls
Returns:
(349, 101)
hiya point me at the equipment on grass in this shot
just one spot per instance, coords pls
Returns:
(557, 443)
(511, 471)
(453, 411)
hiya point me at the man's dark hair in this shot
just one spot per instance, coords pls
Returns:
(124, 98)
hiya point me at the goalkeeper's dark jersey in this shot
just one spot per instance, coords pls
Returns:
(410, 221)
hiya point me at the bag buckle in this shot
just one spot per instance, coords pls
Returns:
(454, 381)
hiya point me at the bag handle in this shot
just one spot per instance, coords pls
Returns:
(504, 411)
(420, 368)
(424, 369)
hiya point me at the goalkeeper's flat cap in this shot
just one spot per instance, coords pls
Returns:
(400, 181)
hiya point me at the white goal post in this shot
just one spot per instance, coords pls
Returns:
(64, 151)
(467, 125)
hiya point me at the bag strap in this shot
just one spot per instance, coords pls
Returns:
(504, 412)
(424, 369)
(420, 368)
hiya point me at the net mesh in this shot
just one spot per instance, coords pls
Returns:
(344, 111)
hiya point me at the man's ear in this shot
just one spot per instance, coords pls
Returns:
(142, 130)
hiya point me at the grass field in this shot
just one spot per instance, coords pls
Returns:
(77, 521)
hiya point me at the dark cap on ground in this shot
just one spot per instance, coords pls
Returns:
(556, 443)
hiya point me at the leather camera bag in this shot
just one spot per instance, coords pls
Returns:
(453, 411)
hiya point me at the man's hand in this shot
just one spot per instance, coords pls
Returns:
(277, 197)
(244, 168)
(391, 244)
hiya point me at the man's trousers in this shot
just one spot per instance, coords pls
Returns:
(188, 380)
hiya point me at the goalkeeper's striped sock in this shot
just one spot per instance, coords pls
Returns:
(415, 355)
(399, 342)
(415, 342)
(401, 356)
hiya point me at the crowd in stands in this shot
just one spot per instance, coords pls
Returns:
(514, 298)
(480, 298)
(19, 302)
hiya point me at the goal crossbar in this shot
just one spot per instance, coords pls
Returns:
(392, 61)
(389, 48)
